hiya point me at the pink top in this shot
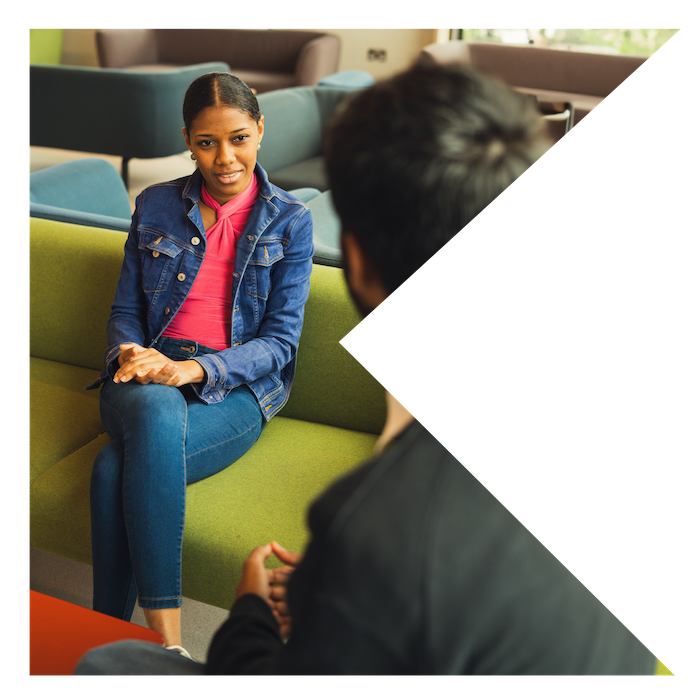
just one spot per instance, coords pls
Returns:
(205, 316)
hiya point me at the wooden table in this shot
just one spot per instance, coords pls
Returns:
(60, 633)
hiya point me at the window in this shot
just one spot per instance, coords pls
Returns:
(638, 42)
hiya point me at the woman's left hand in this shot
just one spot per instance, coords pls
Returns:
(148, 366)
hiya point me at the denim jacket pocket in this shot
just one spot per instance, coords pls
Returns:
(157, 256)
(257, 274)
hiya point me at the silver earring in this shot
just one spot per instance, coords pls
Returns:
(193, 156)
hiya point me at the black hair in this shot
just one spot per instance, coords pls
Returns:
(218, 89)
(413, 159)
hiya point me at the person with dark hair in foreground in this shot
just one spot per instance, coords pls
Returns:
(413, 567)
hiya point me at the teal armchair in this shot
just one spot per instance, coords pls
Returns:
(131, 114)
(295, 118)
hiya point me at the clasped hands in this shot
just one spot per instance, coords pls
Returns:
(270, 584)
(147, 365)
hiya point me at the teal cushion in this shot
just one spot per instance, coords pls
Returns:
(295, 119)
(89, 185)
(306, 173)
(326, 230)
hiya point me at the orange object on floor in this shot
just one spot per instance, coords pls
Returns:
(60, 633)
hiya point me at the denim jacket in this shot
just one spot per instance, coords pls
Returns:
(162, 256)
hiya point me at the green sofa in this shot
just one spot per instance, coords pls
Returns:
(330, 424)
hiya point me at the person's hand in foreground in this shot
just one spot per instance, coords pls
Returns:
(270, 584)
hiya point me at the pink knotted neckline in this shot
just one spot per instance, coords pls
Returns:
(205, 316)
(231, 217)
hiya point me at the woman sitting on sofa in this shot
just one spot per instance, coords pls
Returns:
(202, 343)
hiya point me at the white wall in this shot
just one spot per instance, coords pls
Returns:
(402, 47)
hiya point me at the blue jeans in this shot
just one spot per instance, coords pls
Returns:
(163, 438)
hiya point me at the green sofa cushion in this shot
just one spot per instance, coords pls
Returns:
(59, 504)
(331, 387)
(62, 415)
(71, 294)
(263, 496)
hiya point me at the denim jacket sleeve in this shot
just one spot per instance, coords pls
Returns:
(268, 309)
(127, 323)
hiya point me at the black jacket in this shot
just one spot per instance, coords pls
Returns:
(414, 568)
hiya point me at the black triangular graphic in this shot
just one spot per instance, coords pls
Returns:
(542, 345)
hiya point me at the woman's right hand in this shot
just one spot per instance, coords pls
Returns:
(143, 365)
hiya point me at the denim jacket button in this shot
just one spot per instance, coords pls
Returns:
(155, 253)
(167, 310)
(250, 238)
(195, 240)
(182, 277)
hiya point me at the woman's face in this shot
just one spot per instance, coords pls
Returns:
(225, 142)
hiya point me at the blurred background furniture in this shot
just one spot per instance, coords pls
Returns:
(131, 114)
(45, 46)
(558, 116)
(326, 231)
(265, 59)
(88, 191)
(348, 79)
(552, 75)
(292, 148)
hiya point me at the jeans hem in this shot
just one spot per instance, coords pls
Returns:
(160, 603)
